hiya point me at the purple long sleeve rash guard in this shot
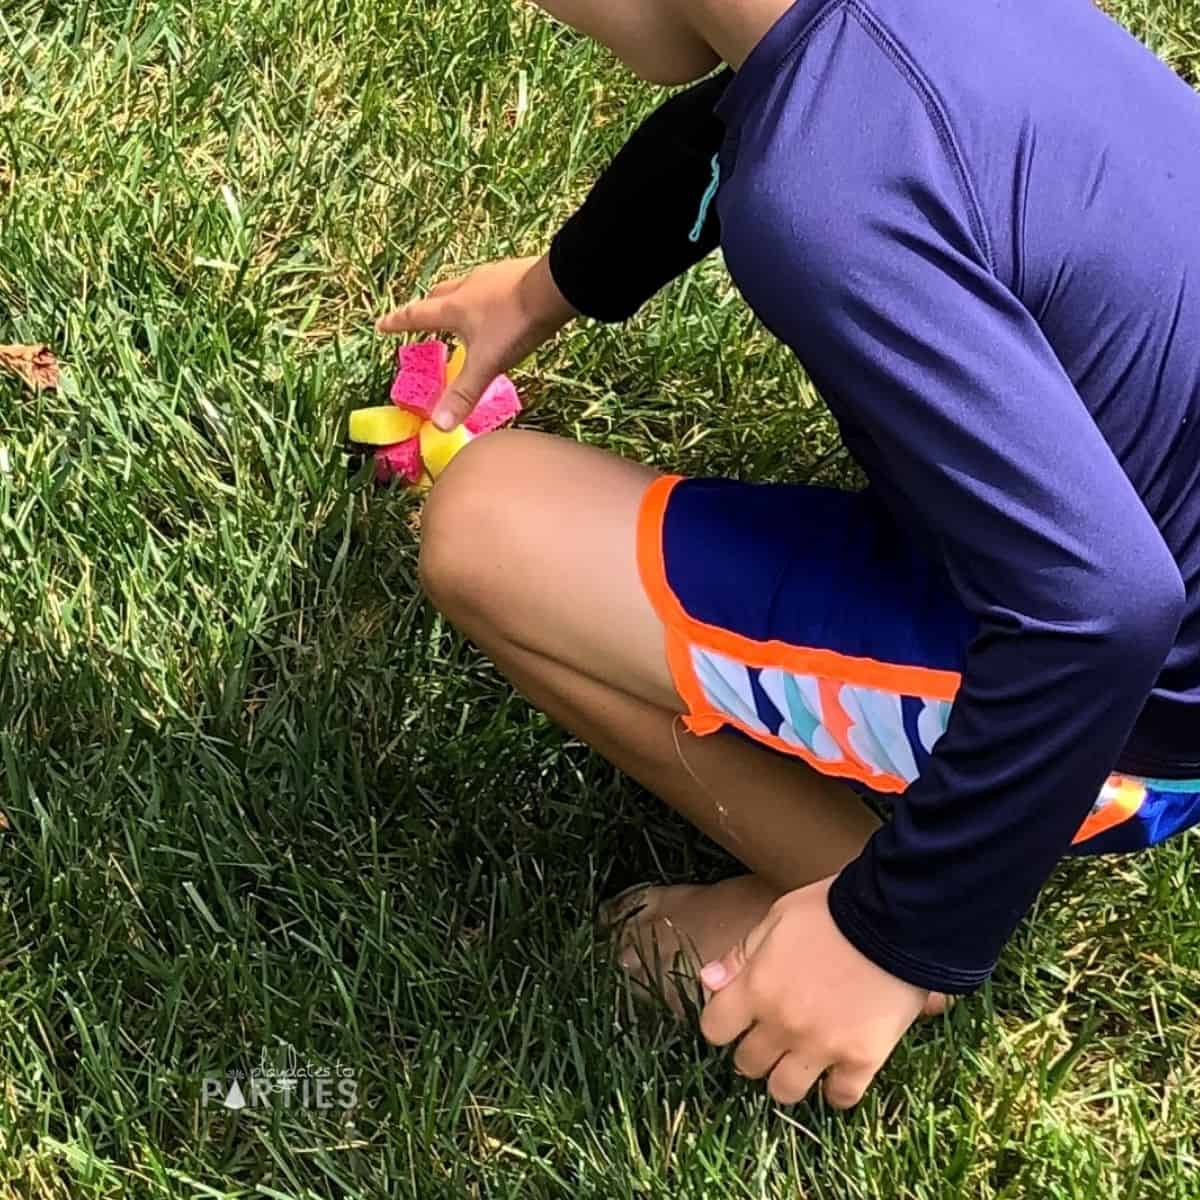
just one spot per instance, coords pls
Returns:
(978, 227)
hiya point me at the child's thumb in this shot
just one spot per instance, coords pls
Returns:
(459, 399)
(720, 973)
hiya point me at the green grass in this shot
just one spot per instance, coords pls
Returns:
(256, 794)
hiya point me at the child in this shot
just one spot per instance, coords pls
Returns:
(975, 225)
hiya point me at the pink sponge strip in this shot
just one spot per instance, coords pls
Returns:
(498, 405)
(402, 458)
(420, 376)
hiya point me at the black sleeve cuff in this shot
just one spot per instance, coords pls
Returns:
(850, 918)
(640, 226)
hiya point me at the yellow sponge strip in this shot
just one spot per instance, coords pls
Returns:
(438, 448)
(383, 425)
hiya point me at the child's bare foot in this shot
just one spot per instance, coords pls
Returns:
(671, 932)
(666, 934)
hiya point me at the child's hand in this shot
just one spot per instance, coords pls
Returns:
(501, 312)
(811, 1003)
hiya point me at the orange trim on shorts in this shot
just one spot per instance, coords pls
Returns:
(683, 631)
(1125, 799)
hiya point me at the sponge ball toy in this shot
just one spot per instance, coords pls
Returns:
(408, 443)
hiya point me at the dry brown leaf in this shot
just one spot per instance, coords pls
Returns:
(36, 365)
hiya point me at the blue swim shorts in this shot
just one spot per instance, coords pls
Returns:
(805, 619)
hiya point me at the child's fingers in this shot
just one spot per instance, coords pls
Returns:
(728, 1014)
(845, 1086)
(431, 315)
(447, 286)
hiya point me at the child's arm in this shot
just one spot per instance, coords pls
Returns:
(641, 225)
(637, 230)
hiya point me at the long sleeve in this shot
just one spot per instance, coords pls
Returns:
(645, 221)
(972, 432)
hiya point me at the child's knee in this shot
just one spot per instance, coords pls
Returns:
(464, 521)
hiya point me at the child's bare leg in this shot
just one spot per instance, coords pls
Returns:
(529, 548)
(803, 838)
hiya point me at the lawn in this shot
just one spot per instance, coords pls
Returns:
(259, 805)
